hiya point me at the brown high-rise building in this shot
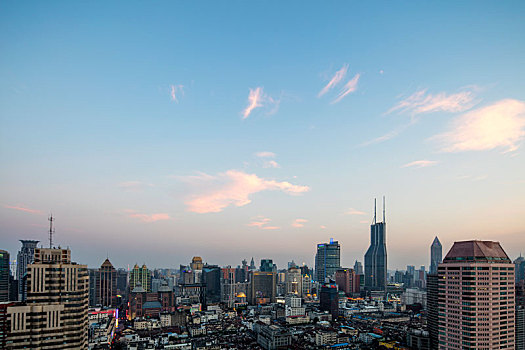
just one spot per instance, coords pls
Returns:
(107, 284)
(263, 287)
(347, 281)
(476, 297)
(55, 314)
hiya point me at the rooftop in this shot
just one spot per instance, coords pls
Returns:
(476, 250)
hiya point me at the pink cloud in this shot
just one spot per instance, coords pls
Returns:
(420, 163)
(349, 87)
(499, 125)
(338, 76)
(299, 223)
(176, 90)
(256, 99)
(271, 164)
(322, 227)
(232, 188)
(259, 222)
(421, 102)
(353, 211)
(147, 217)
(21, 208)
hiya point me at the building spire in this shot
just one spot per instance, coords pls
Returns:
(51, 230)
(375, 210)
(384, 209)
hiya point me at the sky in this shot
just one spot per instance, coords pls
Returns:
(158, 131)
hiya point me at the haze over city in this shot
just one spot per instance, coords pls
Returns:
(155, 133)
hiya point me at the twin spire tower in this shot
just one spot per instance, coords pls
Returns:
(376, 255)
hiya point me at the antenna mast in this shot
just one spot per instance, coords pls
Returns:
(51, 231)
(384, 209)
(375, 210)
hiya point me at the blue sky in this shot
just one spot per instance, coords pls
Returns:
(130, 121)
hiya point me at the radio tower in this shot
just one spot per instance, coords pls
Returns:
(51, 231)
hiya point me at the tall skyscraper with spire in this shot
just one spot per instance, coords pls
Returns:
(436, 255)
(376, 255)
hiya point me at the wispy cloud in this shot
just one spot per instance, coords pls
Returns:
(420, 163)
(349, 87)
(176, 91)
(22, 208)
(299, 223)
(338, 76)
(500, 125)
(353, 211)
(271, 164)
(147, 217)
(271, 228)
(262, 222)
(232, 188)
(133, 186)
(265, 154)
(322, 227)
(423, 102)
(256, 99)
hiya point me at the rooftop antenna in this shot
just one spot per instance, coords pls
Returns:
(375, 209)
(384, 209)
(51, 231)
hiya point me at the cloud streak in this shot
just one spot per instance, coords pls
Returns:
(265, 154)
(500, 125)
(353, 211)
(232, 188)
(175, 91)
(349, 87)
(338, 76)
(299, 223)
(261, 222)
(422, 102)
(420, 164)
(21, 208)
(257, 99)
(147, 217)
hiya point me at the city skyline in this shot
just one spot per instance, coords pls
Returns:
(240, 130)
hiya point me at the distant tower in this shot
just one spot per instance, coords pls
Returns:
(4, 276)
(376, 255)
(107, 284)
(25, 256)
(436, 255)
(327, 260)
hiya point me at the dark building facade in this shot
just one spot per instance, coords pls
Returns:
(433, 310)
(376, 256)
(263, 288)
(4, 276)
(211, 278)
(329, 299)
(266, 265)
(327, 260)
(107, 284)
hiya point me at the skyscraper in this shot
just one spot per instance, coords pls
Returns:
(520, 268)
(436, 255)
(25, 256)
(376, 255)
(433, 310)
(476, 297)
(107, 284)
(55, 315)
(327, 260)
(329, 299)
(140, 275)
(4, 276)
(266, 265)
(263, 287)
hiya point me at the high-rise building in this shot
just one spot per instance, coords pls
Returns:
(358, 268)
(520, 328)
(329, 299)
(140, 275)
(433, 310)
(376, 255)
(266, 265)
(327, 260)
(263, 287)
(436, 255)
(519, 264)
(25, 256)
(107, 284)
(294, 281)
(55, 314)
(4, 276)
(347, 281)
(211, 278)
(476, 297)
(93, 281)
